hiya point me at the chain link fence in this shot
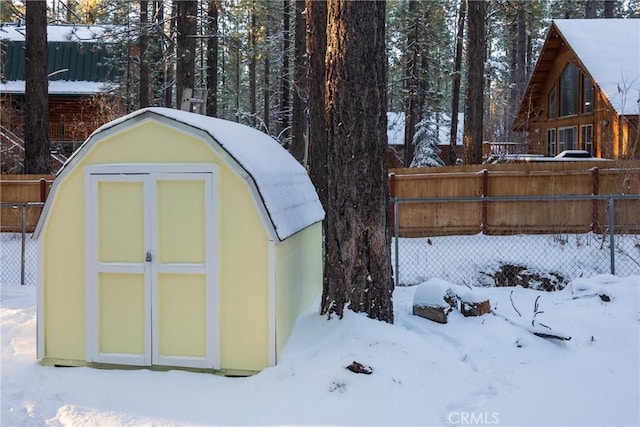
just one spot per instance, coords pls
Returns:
(18, 252)
(542, 261)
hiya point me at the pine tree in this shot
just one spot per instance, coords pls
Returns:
(425, 141)
(358, 273)
(37, 159)
(474, 100)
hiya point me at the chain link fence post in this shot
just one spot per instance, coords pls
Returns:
(612, 224)
(23, 243)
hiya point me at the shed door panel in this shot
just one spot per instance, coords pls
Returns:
(182, 286)
(121, 220)
(118, 293)
(152, 295)
(121, 314)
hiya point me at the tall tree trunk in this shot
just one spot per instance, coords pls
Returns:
(158, 51)
(412, 104)
(253, 97)
(37, 158)
(285, 85)
(186, 21)
(316, 14)
(212, 58)
(71, 13)
(169, 74)
(267, 87)
(474, 104)
(589, 9)
(299, 124)
(237, 81)
(455, 96)
(143, 44)
(520, 71)
(609, 6)
(358, 271)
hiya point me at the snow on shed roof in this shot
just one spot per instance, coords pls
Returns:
(284, 186)
(610, 51)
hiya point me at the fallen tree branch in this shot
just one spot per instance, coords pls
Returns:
(513, 304)
(547, 334)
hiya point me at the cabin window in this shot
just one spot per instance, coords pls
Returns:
(552, 103)
(567, 138)
(587, 95)
(551, 142)
(587, 138)
(569, 91)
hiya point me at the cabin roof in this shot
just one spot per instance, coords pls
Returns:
(609, 51)
(74, 56)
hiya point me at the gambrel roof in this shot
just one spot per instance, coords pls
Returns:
(273, 176)
(608, 50)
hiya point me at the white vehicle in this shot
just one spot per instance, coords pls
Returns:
(576, 155)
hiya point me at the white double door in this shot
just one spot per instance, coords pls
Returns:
(152, 296)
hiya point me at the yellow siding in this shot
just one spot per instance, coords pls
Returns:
(298, 278)
(244, 311)
(242, 241)
(64, 269)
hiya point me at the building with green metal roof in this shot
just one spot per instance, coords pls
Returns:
(80, 67)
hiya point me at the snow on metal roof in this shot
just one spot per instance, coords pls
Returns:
(55, 33)
(61, 87)
(610, 51)
(283, 184)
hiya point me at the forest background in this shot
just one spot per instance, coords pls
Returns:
(251, 58)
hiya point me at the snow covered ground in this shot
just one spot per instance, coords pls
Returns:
(470, 371)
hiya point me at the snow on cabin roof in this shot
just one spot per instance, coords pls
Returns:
(61, 87)
(55, 33)
(610, 51)
(283, 184)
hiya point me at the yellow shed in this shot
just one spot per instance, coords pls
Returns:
(171, 239)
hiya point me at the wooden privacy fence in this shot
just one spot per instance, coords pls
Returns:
(17, 190)
(507, 198)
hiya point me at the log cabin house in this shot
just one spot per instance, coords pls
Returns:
(584, 92)
(78, 74)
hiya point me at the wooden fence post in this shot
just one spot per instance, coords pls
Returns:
(485, 204)
(392, 195)
(43, 189)
(595, 178)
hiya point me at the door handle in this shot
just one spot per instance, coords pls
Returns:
(148, 258)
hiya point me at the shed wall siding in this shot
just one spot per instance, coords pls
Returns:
(244, 277)
(298, 278)
(64, 272)
(242, 239)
